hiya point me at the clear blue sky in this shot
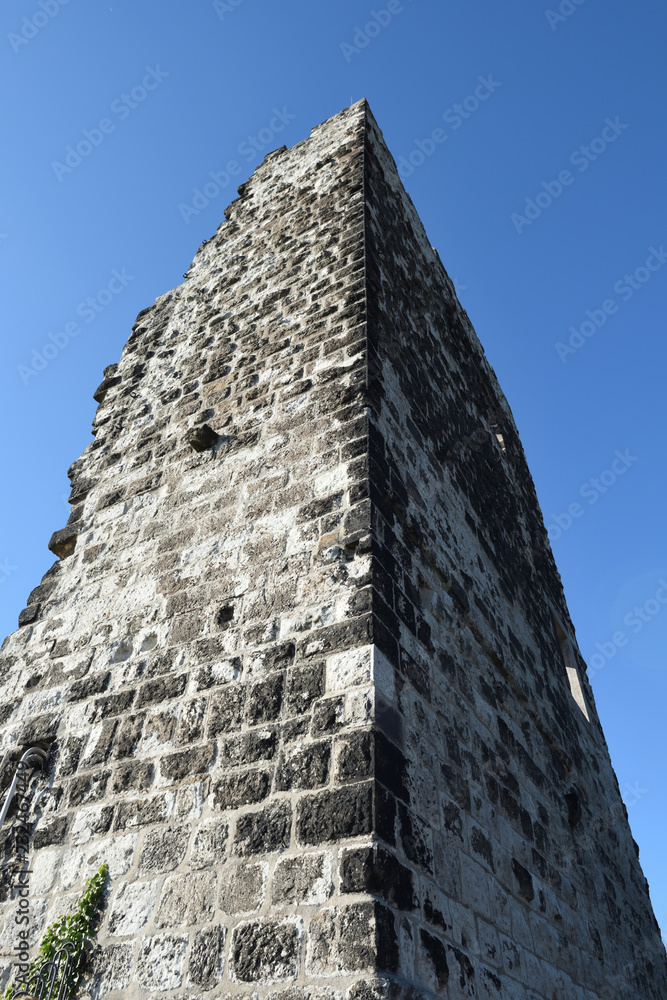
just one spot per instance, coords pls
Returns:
(200, 80)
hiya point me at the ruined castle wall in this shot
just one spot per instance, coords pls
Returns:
(189, 658)
(304, 689)
(517, 867)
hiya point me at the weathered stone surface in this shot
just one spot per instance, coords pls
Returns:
(132, 908)
(265, 831)
(304, 766)
(207, 958)
(209, 845)
(265, 951)
(236, 790)
(62, 543)
(343, 940)
(109, 969)
(297, 664)
(160, 963)
(345, 812)
(187, 900)
(303, 879)
(243, 887)
(201, 438)
(163, 850)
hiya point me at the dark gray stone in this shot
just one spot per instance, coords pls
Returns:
(265, 951)
(343, 812)
(201, 438)
(265, 831)
(207, 957)
(163, 850)
(245, 788)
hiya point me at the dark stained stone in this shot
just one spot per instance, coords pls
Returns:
(343, 812)
(201, 438)
(265, 950)
(207, 957)
(265, 831)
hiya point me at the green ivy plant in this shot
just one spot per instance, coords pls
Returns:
(77, 929)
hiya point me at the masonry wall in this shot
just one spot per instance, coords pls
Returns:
(303, 689)
(188, 653)
(517, 866)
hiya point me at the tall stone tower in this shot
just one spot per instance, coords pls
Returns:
(303, 666)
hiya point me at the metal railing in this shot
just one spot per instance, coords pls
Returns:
(51, 981)
(33, 757)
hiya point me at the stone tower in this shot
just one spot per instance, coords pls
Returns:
(303, 666)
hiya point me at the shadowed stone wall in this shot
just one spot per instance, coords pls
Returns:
(513, 857)
(298, 662)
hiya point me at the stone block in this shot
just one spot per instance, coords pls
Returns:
(432, 967)
(109, 969)
(243, 887)
(163, 850)
(187, 900)
(342, 940)
(266, 951)
(331, 815)
(210, 844)
(265, 831)
(132, 908)
(160, 962)
(304, 766)
(187, 763)
(353, 668)
(265, 700)
(201, 438)
(306, 879)
(207, 957)
(240, 789)
(226, 710)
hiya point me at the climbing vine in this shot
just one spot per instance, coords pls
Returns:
(76, 929)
